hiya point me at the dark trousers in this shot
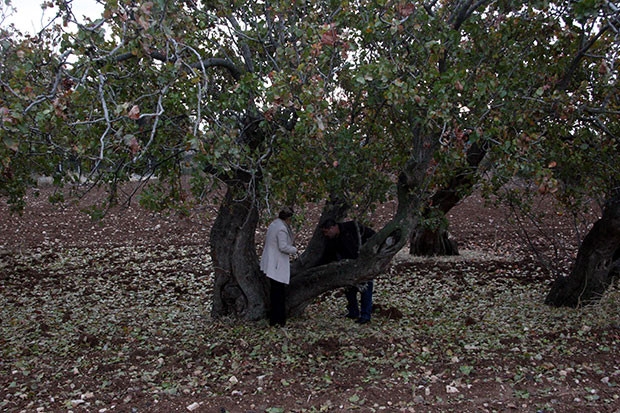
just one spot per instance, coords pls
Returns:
(277, 316)
(364, 308)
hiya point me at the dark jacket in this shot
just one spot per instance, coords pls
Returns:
(347, 244)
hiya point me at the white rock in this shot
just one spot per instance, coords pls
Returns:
(193, 406)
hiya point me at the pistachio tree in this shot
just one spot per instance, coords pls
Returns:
(282, 103)
(565, 136)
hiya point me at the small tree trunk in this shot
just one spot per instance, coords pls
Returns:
(429, 242)
(597, 264)
(240, 287)
(336, 209)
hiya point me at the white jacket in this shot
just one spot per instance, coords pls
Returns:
(278, 246)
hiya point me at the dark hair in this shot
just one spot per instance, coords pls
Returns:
(328, 223)
(285, 213)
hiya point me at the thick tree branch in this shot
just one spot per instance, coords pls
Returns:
(204, 63)
(463, 11)
(582, 53)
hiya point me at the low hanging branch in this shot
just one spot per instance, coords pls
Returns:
(310, 281)
(375, 256)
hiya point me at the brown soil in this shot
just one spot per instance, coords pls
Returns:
(113, 316)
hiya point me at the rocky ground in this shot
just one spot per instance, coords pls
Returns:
(113, 316)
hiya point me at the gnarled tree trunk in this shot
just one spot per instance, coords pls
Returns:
(309, 281)
(240, 288)
(597, 264)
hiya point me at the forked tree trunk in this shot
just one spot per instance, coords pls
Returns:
(427, 241)
(240, 288)
(597, 264)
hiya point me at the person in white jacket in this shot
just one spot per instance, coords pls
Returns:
(275, 263)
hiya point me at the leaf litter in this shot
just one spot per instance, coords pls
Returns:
(116, 317)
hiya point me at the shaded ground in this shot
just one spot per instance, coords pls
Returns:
(114, 317)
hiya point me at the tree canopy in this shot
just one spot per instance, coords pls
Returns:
(346, 87)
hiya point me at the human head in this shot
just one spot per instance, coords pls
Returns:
(330, 228)
(285, 213)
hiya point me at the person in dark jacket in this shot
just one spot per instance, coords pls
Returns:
(344, 240)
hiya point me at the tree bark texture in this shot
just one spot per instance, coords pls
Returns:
(375, 255)
(597, 263)
(427, 241)
(241, 290)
